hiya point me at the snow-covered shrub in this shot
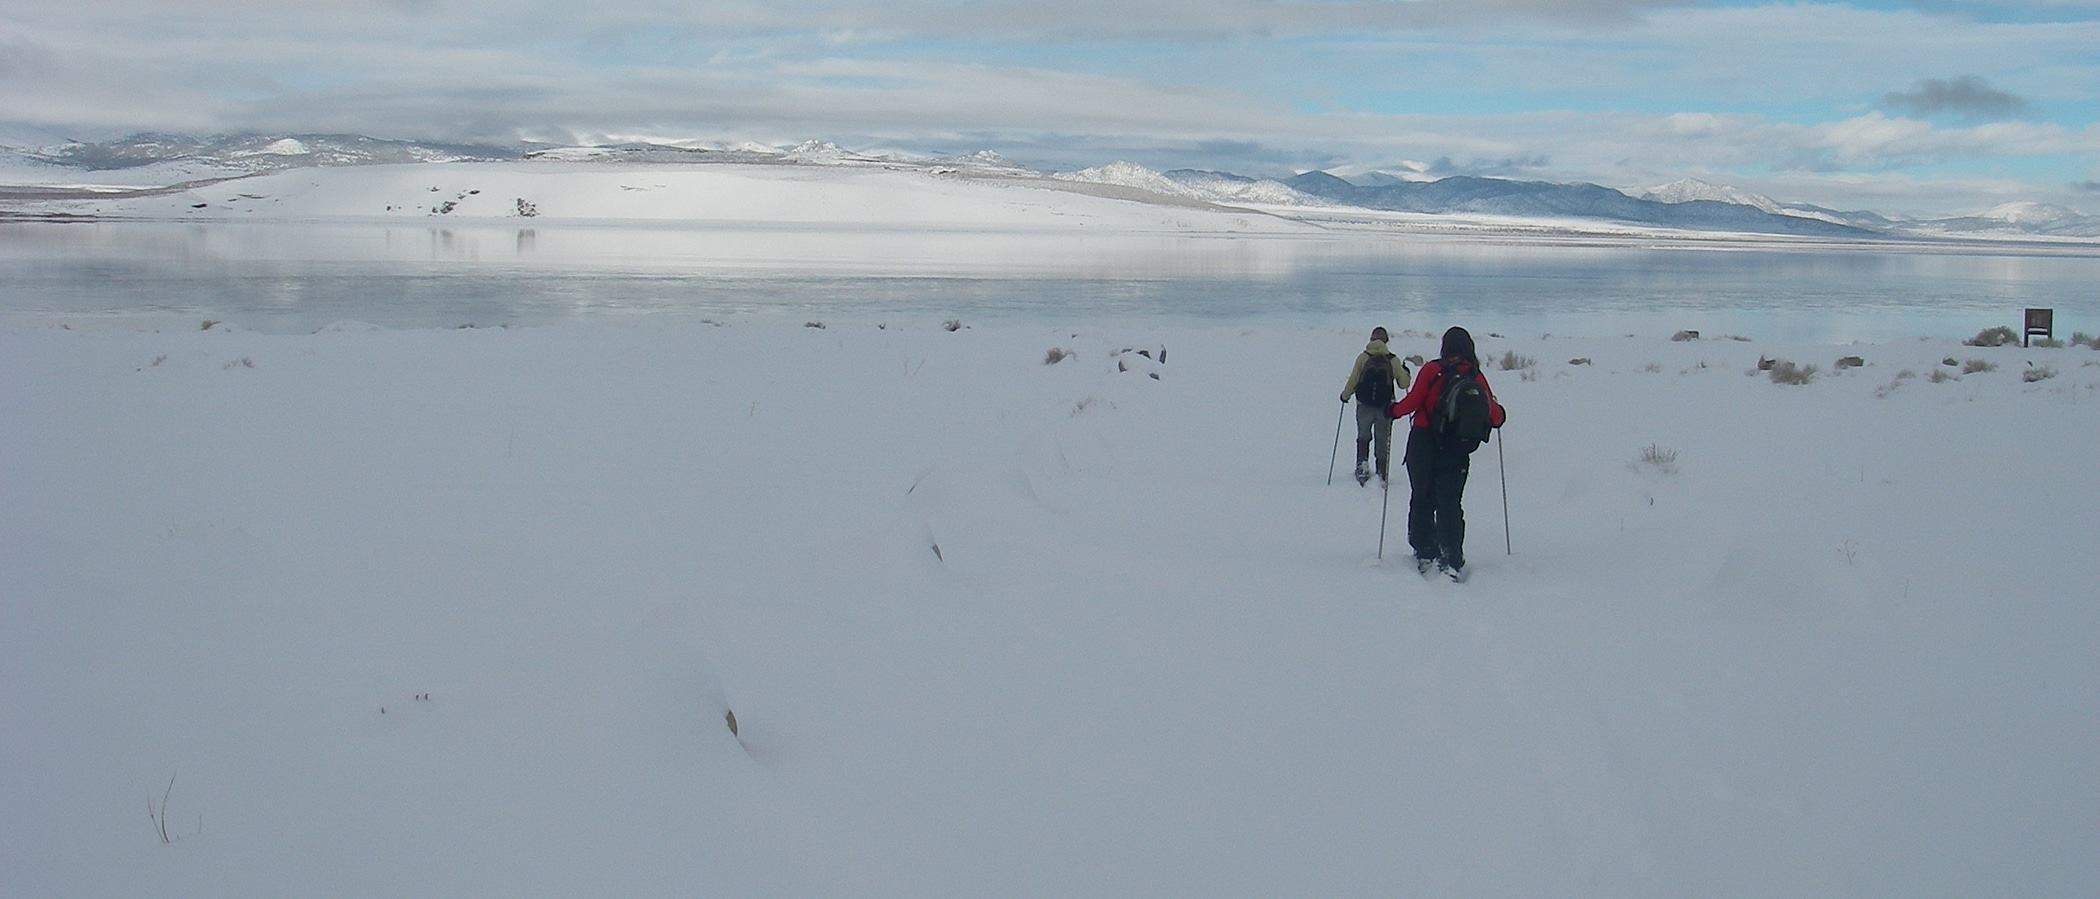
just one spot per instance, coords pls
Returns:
(1788, 373)
(1940, 376)
(1145, 360)
(2047, 343)
(1685, 335)
(1510, 361)
(2038, 373)
(953, 324)
(1998, 336)
(2080, 338)
(1056, 355)
(1973, 366)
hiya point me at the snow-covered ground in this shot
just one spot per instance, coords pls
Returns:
(461, 612)
(723, 195)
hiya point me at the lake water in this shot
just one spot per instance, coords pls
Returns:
(296, 278)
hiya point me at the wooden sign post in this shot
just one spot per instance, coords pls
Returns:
(2039, 321)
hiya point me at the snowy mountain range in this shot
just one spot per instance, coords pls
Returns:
(159, 162)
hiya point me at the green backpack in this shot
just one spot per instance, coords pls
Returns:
(1375, 386)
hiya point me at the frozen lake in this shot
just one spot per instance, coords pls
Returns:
(294, 278)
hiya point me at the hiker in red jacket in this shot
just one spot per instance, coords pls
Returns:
(1439, 451)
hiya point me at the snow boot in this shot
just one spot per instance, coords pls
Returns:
(1457, 573)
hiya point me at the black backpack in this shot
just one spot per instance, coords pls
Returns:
(1461, 416)
(1375, 386)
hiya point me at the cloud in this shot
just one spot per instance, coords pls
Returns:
(2089, 186)
(1619, 92)
(1445, 167)
(844, 21)
(1966, 97)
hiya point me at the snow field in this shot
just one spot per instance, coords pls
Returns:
(1843, 646)
(722, 195)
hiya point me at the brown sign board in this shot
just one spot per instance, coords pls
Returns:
(2039, 322)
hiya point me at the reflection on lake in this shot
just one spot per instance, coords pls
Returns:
(299, 277)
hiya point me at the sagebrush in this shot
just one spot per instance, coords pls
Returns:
(1998, 336)
(1662, 460)
(1783, 372)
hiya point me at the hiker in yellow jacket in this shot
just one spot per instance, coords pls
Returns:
(1374, 381)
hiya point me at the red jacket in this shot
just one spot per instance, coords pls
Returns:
(1429, 384)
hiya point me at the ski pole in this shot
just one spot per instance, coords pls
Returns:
(1502, 466)
(1384, 503)
(1337, 453)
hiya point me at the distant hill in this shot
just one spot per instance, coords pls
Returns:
(1685, 190)
(2035, 219)
(1497, 196)
(258, 153)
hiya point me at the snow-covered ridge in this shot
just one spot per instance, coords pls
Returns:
(1212, 187)
(1692, 190)
(2023, 219)
(1686, 190)
(117, 178)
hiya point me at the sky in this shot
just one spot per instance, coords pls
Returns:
(1900, 107)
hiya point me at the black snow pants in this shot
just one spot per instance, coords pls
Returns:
(1436, 482)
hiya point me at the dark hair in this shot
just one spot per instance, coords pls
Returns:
(1378, 333)
(1458, 344)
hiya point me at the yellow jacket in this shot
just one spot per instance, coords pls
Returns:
(1401, 375)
